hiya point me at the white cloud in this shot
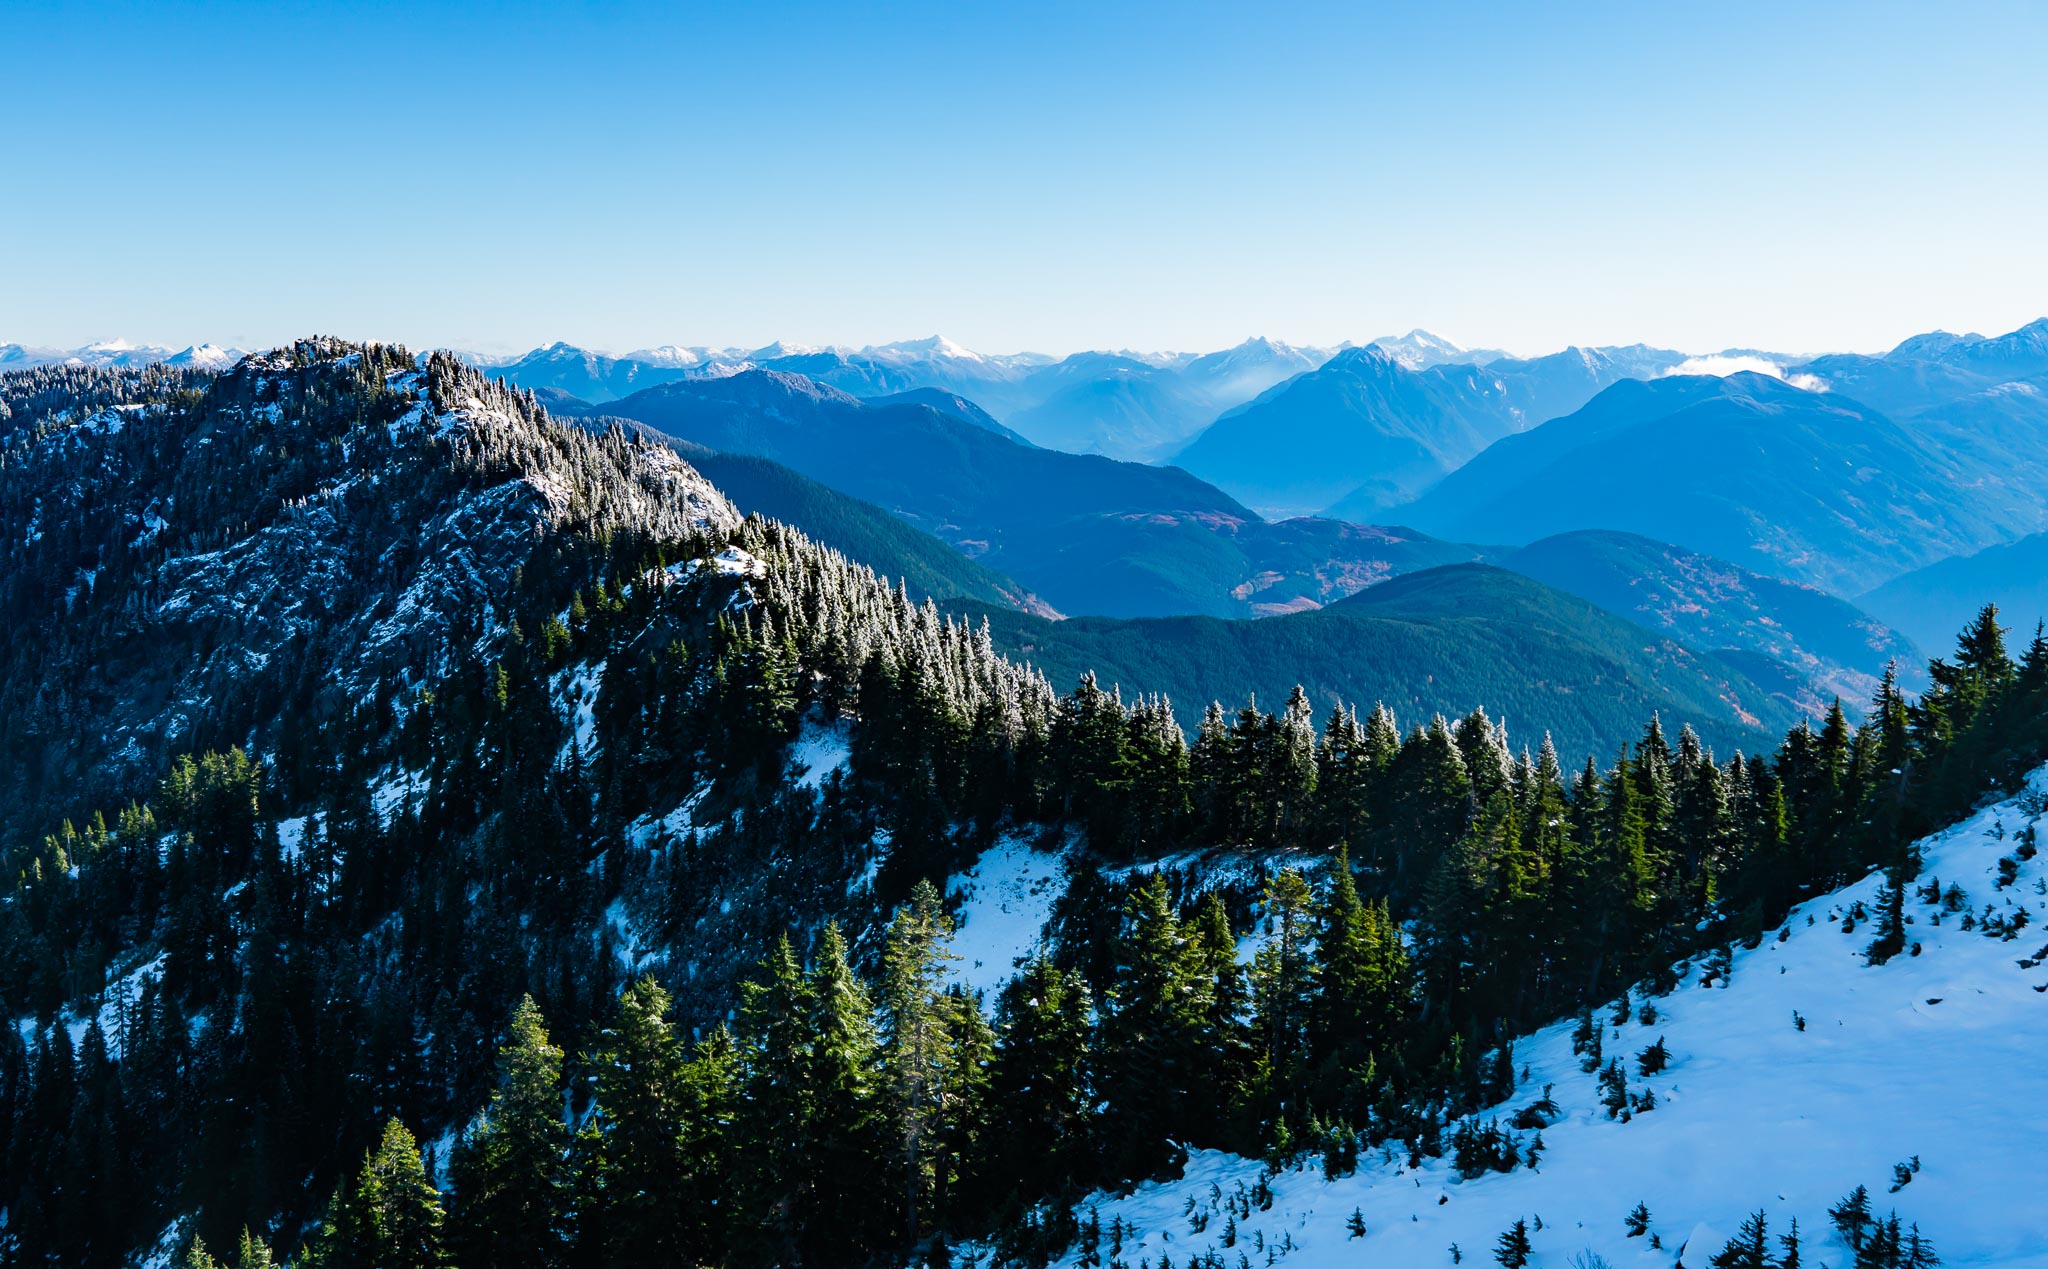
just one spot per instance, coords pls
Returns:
(1723, 366)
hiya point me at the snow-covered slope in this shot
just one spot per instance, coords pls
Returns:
(1004, 902)
(1796, 1076)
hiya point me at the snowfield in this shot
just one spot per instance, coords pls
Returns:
(1004, 901)
(1939, 1058)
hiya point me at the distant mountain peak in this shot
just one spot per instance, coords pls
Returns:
(933, 346)
(781, 348)
(1418, 349)
(1932, 344)
(205, 357)
(674, 355)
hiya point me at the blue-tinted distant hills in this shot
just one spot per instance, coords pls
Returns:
(1810, 486)
(1086, 533)
(1929, 369)
(1826, 646)
(1934, 602)
(1366, 432)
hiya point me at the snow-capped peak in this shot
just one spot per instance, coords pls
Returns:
(670, 355)
(205, 357)
(781, 348)
(932, 348)
(1418, 348)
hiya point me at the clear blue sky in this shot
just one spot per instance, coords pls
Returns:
(1043, 176)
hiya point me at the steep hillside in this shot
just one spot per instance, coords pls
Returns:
(1796, 1073)
(1442, 640)
(1941, 595)
(1829, 647)
(1808, 486)
(223, 568)
(1086, 533)
(860, 530)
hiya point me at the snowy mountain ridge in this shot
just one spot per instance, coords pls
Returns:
(1797, 1071)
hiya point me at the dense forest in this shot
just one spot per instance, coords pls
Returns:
(552, 898)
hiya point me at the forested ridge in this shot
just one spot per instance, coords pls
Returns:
(515, 860)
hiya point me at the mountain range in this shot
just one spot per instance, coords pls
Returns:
(1086, 533)
(1367, 432)
(118, 354)
(1806, 644)
(1811, 486)
(1932, 602)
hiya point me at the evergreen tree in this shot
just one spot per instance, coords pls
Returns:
(510, 1170)
(1749, 1249)
(640, 1096)
(389, 1216)
(1040, 1085)
(846, 1134)
(1853, 1219)
(919, 1053)
(1513, 1249)
(1153, 1038)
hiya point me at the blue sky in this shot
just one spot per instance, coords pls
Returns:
(1047, 176)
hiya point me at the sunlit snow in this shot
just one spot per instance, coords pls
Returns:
(1936, 1056)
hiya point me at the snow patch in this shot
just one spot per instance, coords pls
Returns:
(1004, 902)
(819, 751)
(399, 791)
(575, 693)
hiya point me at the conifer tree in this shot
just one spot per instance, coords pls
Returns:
(1513, 1249)
(1281, 973)
(846, 1134)
(645, 1197)
(1040, 1084)
(1153, 1039)
(1853, 1219)
(510, 1170)
(919, 1050)
(1749, 1249)
(388, 1216)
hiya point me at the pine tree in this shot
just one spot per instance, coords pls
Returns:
(1853, 1219)
(510, 1170)
(196, 1256)
(1281, 976)
(1040, 1084)
(252, 1252)
(389, 1216)
(1513, 1249)
(919, 1050)
(1790, 1242)
(1362, 989)
(1749, 1249)
(1154, 1036)
(642, 1101)
(846, 1134)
